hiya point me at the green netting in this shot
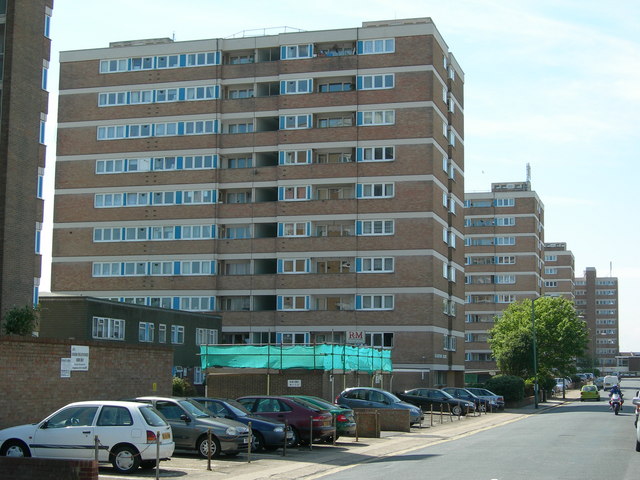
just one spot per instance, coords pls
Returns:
(282, 357)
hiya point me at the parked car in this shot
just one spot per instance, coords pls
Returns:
(464, 394)
(495, 401)
(434, 398)
(308, 423)
(129, 431)
(636, 402)
(345, 418)
(370, 397)
(559, 385)
(267, 434)
(599, 382)
(589, 392)
(191, 423)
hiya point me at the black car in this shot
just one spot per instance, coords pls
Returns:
(464, 394)
(267, 434)
(433, 399)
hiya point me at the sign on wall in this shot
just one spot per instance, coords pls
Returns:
(355, 337)
(65, 368)
(80, 357)
(294, 383)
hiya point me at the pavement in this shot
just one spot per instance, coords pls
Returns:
(326, 459)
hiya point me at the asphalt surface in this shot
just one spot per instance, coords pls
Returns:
(323, 460)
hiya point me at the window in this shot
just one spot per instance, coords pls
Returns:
(237, 231)
(376, 265)
(201, 59)
(135, 199)
(106, 269)
(292, 122)
(177, 334)
(112, 132)
(382, 45)
(292, 338)
(237, 268)
(296, 86)
(167, 95)
(164, 198)
(113, 66)
(239, 162)
(381, 117)
(376, 227)
(376, 154)
(374, 302)
(168, 61)
(294, 265)
(375, 190)
(195, 304)
(201, 93)
(111, 234)
(374, 82)
(240, 127)
(200, 127)
(449, 343)
(108, 328)
(196, 267)
(197, 232)
(140, 96)
(197, 197)
(296, 193)
(345, 120)
(294, 229)
(505, 298)
(162, 333)
(133, 269)
(550, 284)
(295, 157)
(164, 163)
(293, 302)
(206, 336)
(505, 202)
(296, 51)
(378, 339)
(142, 63)
(199, 162)
(161, 268)
(240, 93)
(138, 164)
(135, 233)
(335, 87)
(504, 279)
(145, 332)
(47, 22)
(111, 99)
(110, 166)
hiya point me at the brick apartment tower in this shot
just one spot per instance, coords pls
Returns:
(597, 302)
(504, 263)
(305, 185)
(24, 60)
(559, 271)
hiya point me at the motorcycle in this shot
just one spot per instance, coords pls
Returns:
(616, 402)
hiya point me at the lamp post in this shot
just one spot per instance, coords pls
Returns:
(535, 360)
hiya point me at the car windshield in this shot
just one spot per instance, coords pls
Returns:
(237, 408)
(306, 404)
(152, 417)
(194, 408)
(320, 402)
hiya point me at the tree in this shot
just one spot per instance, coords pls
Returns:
(21, 321)
(561, 336)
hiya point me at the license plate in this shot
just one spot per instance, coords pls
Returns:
(166, 435)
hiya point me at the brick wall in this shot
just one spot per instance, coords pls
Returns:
(32, 388)
(12, 468)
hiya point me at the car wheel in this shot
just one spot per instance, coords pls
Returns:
(482, 407)
(147, 464)
(15, 448)
(257, 442)
(330, 439)
(125, 459)
(202, 445)
(457, 410)
(295, 439)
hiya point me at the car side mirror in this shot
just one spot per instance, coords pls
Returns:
(185, 418)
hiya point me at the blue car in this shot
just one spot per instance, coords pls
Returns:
(369, 397)
(267, 434)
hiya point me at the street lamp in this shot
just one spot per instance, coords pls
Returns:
(535, 360)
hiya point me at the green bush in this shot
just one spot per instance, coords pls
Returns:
(509, 386)
(21, 321)
(182, 388)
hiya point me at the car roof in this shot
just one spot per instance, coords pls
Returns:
(115, 403)
(154, 397)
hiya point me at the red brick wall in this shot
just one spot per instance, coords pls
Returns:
(32, 388)
(12, 468)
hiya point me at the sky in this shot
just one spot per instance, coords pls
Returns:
(550, 83)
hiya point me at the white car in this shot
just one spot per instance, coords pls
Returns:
(126, 434)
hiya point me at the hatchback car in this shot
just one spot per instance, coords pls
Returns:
(599, 382)
(345, 418)
(308, 423)
(267, 434)
(370, 397)
(589, 392)
(128, 435)
(191, 423)
(495, 401)
(435, 399)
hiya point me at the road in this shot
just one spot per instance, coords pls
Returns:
(574, 441)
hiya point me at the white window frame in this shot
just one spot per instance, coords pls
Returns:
(294, 303)
(105, 328)
(177, 334)
(195, 267)
(378, 117)
(294, 227)
(377, 227)
(368, 302)
(206, 336)
(297, 193)
(378, 190)
(145, 332)
(294, 265)
(378, 46)
(377, 265)
(378, 154)
(296, 122)
(377, 82)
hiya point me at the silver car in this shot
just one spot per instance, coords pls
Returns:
(191, 423)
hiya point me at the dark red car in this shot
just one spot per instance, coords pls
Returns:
(307, 423)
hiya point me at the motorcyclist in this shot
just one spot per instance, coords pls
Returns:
(615, 389)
